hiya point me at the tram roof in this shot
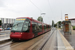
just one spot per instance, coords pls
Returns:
(34, 20)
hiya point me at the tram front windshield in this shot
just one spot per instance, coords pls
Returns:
(20, 24)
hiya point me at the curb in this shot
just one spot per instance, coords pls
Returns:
(66, 43)
(4, 31)
(3, 41)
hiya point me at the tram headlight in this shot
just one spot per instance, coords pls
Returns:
(21, 33)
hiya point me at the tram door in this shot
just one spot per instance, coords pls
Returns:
(34, 29)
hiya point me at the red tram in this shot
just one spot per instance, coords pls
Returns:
(25, 28)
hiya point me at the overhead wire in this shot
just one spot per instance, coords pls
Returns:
(35, 6)
(50, 6)
(57, 15)
(50, 9)
(38, 7)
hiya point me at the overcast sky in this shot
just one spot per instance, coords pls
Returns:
(54, 9)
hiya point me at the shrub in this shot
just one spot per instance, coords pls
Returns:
(73, 27)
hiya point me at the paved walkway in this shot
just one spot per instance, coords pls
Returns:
(5, 31)
(70, 38)
(6, 38)
(4, 35)
(62, 43)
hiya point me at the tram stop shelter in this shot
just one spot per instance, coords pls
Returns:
(66, 26)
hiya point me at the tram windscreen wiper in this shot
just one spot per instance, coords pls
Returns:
(17, 24)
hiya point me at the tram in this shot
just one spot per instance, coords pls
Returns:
(25, 28)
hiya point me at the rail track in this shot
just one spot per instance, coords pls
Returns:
(40, 44)
(14, 45)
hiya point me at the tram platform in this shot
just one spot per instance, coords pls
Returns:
(63, 44)
(55, 42)
(70, 37)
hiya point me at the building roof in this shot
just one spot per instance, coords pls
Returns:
(66, 22)
(72, 19)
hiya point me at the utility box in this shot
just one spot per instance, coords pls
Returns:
(66, 26)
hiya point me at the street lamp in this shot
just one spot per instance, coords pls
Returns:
(43, 14)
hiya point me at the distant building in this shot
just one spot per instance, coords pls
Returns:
(7, 22)
(72, 21)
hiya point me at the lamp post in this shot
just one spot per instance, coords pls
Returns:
(43, 14)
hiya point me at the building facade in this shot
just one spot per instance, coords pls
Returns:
(72, 21)
(7, 22)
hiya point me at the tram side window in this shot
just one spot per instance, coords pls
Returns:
(34, 26)
(40, 26)
(48, 26)
(45, 27)
(26, 26)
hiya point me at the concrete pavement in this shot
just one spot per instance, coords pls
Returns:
(5, 31)
(56, 41)
(70, 38)
(4, 35)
